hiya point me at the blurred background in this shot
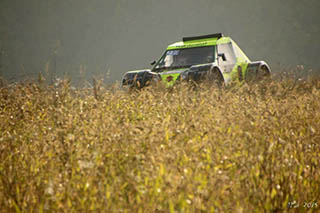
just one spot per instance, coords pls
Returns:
(82, 38)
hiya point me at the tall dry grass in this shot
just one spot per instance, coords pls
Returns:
(246, 148)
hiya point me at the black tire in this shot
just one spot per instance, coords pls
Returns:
(214, 77)
(263, 73)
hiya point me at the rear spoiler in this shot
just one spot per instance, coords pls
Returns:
(216, 35)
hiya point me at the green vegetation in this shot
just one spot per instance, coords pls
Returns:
(246, 148)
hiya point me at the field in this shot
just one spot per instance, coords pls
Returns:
(246, 148)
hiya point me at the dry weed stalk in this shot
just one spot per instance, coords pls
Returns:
(250, 147)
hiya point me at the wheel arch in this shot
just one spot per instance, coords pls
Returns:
(216, 68)
(254, 67)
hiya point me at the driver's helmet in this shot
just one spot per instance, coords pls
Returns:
(168, 60)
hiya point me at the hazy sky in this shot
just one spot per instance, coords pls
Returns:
(121, 35)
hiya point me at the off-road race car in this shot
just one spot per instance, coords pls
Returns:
(214, 58)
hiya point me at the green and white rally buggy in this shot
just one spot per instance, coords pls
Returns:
(214, 58)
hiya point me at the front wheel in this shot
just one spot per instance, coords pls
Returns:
(215, 78)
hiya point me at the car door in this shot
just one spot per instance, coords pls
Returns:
(227, 62)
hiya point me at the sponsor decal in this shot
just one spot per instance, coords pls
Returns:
(170, 78)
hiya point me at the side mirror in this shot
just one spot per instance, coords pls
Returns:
(223, 56)
(153, 63)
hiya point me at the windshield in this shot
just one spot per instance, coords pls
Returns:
(186, 57)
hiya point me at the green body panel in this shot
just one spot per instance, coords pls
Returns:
(234, 75)
(242, 56)
(234, 72)
(242, 61)
(167, 83)
(199, 43)
(224, 40)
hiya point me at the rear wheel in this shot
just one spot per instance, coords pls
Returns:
(263, 73)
